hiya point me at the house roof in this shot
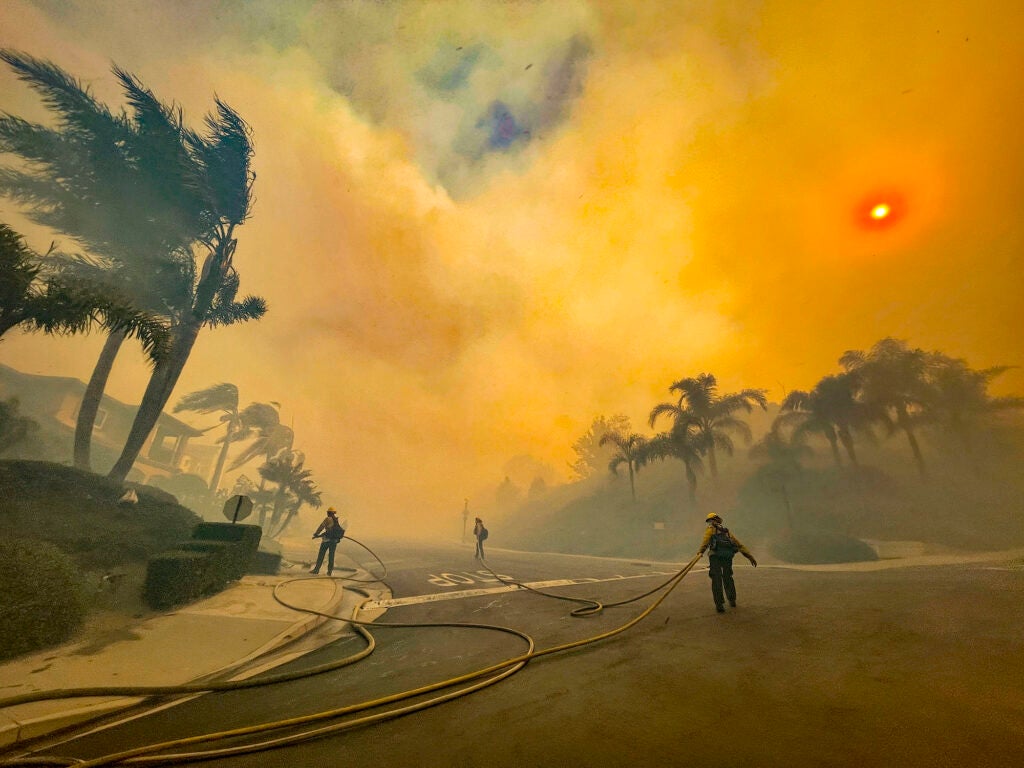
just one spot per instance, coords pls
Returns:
(23, 379)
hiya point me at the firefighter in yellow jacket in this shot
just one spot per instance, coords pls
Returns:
(723, 546)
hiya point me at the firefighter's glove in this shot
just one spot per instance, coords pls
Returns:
(753, 562)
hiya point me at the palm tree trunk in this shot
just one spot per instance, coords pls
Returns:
(712, 459)
(91, 399)
(275, 517)
(903, 420)
(834, 443)
(158, 392)
(789, 508)
(219, 470)
(851, 451)
(632, 487)
(165, 376)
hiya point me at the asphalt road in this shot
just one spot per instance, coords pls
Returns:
(903, 667)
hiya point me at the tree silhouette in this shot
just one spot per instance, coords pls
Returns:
(287, 471)
(711, 414)
(147, 196)
(37, 299)
(893, 382)
(239, 424)
(631, 452)
(683, 442)
(959, 399)
(830, 409)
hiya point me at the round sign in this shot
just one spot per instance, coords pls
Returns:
(237, 508)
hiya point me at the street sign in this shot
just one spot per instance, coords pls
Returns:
(237, 508)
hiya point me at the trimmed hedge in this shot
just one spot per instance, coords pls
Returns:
(817, 547)
(43, 602)
(216, 554)
(179, 577)
(244, 538)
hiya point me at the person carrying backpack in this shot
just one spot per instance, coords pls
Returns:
(723, 547)
(479, 533)
(331, 532)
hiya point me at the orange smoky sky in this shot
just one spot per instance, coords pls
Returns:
(481, 224)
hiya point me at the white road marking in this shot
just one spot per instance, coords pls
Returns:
(439, 596)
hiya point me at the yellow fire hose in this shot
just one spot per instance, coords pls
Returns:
(494, 673)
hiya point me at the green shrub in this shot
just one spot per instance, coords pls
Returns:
(821, 547)
(42, 601)
(216, 554)
(244, 541)
(179, 577)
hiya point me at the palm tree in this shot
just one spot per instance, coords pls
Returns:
(303, 492)
(959, 397)
(286, 470)
(239, 424)
(781, 464)
(711, 414)
(175, 189)
(893, 381)
(631, 449)
(109, 181)
(272, 439)
(831, 409)
(37, 299)
(682, 442)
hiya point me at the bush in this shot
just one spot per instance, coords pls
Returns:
(245, 540)
(179, 577)
(819, 547)
(216, 554)
(43, 601)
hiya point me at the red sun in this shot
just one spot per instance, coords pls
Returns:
(880, 210)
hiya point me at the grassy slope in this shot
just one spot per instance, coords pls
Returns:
(80, 514)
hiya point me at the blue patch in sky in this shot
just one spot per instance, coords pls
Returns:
(503, 130)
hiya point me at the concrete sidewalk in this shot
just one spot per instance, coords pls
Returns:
(195, 642)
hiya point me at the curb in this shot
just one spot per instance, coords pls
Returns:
(14, 731)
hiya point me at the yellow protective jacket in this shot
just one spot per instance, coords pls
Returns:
(710, 531)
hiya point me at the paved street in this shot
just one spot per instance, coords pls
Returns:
(901, 667)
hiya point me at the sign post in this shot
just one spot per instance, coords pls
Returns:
(237, 508)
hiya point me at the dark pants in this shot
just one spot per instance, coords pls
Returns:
(479, 547)
(720, 571)
(327, 547)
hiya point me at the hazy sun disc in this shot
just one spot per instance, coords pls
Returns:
(880, 211)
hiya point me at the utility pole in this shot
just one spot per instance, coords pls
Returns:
(465, 518)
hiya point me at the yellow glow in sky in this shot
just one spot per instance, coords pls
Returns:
(479, 224)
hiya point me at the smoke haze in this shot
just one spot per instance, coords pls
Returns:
(480, 224)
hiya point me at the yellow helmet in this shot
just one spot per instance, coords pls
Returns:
(712, 516)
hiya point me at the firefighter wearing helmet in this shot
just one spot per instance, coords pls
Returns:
(722, 546)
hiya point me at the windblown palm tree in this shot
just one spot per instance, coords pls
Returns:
(140, 192)
(631, 452)
(286, 470)
(35, 298)
(830, 409)
(959, 398)
(682, 442)
(303, 492)
(711, 414)
(893, 380)
(239, 424)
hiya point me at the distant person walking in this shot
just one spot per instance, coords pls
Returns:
(723, 546)
(479, 533)
(331, 532)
